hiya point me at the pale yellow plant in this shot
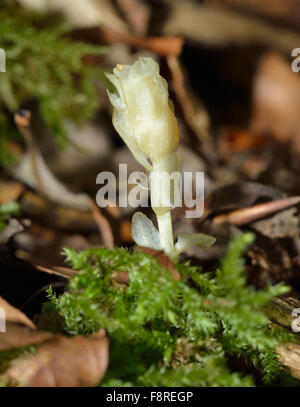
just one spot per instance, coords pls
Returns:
(144, 117)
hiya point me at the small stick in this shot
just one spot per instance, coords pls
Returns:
(102, 223)
(199, 120)
(247, 215)
(58, 271)
(23, 122)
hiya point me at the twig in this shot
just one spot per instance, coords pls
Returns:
(23, 121)
(248, 215)
(102, 223)
(197, 119)
(33, 171)
(64, 272)
(165, 45)
(37, 175)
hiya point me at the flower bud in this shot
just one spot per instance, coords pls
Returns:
(143, 115)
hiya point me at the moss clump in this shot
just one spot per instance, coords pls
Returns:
(169, 333)
(44, 65)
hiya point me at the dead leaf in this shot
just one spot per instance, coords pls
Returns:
(281, 225)
(163, 259)
(12, 314)
(123, 278)
(125, 231)
(276, 100)
(69, 219)
(62, 362)
(18, 336)
(58, 360)
(20, 331)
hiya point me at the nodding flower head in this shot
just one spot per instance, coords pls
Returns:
(143, 114)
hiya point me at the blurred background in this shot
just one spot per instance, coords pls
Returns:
(237, 99)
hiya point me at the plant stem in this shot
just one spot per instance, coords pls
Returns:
(162, 196)
(164, 221)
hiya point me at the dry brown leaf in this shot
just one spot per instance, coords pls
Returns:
(68, 219)
(20, 331)
(62, 362)
(276, 100)
(14, 315)
(163, 259)
(123, 278)
(125, 231)
(18, 336)
(58, 361)
(281, 225)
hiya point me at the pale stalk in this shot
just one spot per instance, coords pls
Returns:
(162, 200)
(164, 221)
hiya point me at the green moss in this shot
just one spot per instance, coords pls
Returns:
(44, 65)
(169, 333)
